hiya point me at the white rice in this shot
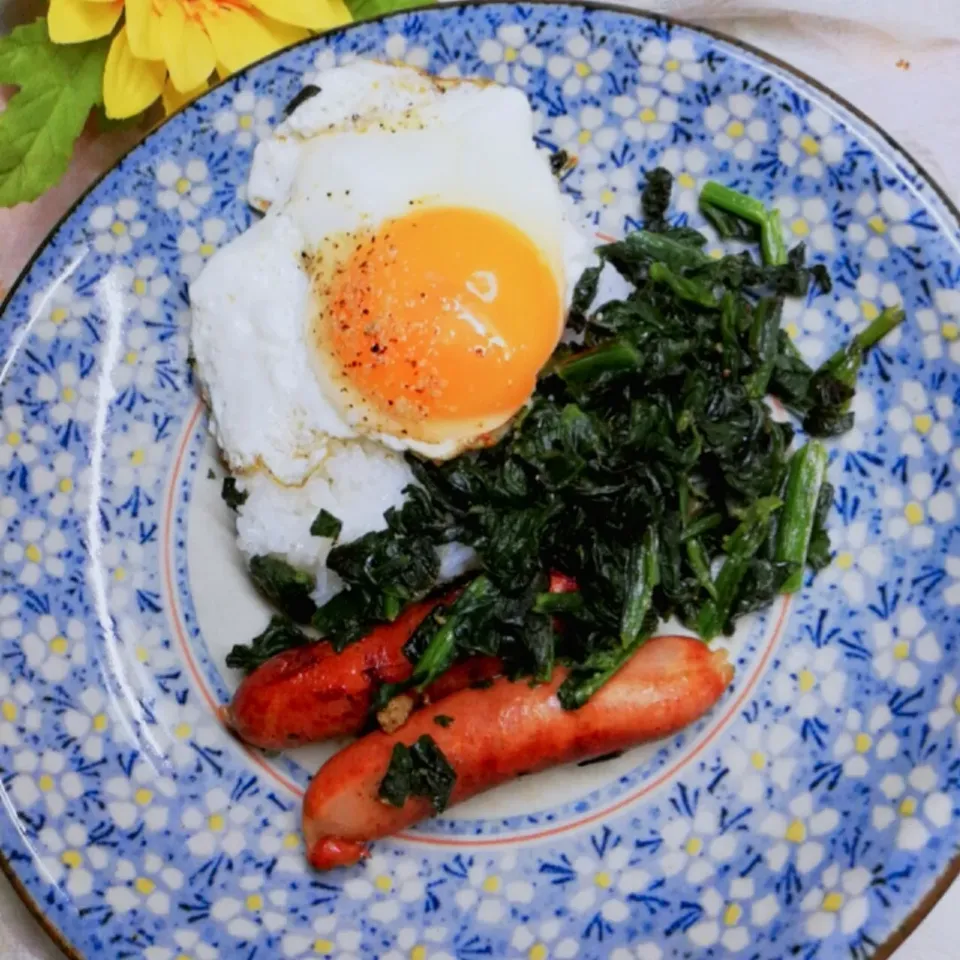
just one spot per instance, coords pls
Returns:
(357, 482)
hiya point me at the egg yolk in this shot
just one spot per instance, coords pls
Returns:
(442, 316)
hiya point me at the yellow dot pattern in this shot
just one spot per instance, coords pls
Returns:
(796, 832)
(71, 858)
(732, 914)
(832, 902)
(914, 513)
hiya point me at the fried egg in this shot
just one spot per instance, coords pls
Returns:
(407, 283)
(408, 280)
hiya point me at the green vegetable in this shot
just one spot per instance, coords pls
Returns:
(823, 397)
(727, 225)
(383, 573)
(655, 199)
(325, 524)
(700, 565)
(612, 357)
(396, 784)
(808, 468)
(307, 92)
(583, 295)
(771, 240)
(280, 634)
(683, 287)
(482, 620)
(420, 770)
(559, 603)
(741, 545)
(733, 202)
(647, 466)
(559, 161)
(643, 575)
(716, 197)
(643, 248)
(636, 625)
(231, 496)
(442, 720)
(764, 344)
(286, 587)
(59, 85)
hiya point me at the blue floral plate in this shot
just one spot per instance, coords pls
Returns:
(807, 816)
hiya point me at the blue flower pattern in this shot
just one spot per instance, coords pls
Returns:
(805, 824)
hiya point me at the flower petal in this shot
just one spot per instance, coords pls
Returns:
(143, 29)
(130, 85)
(173, 99)
(73, 21)
(241, 36)
(187, 49)
(313, 14)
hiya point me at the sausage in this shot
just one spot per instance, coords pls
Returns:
(313, 693)
(505, 730)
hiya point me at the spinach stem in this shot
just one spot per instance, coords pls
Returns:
(610, 357)
(772, 247)
(748, 208)
(559, 603)
(764, 344)
(739, 204)
(644, 575)
(441, 651)
(888, 320)
(808, 468)
(740, 548)
(684, 287)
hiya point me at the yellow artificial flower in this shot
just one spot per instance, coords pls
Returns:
(170, 48)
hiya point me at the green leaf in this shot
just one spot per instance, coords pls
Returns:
(59, 85)
(365, 9)
(419, 770)
(325, 524)
(280, 634)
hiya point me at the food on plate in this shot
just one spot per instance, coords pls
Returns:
(408, 282)
(497, 734)
(463, 444)
(309, 692)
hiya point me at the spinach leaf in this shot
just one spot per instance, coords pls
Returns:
(231, 496)
(280, 634)
(383, 571)
(325, 524)
(419, 770)
(286, 587)
(655, 198)
(397, 782)
(309, 91)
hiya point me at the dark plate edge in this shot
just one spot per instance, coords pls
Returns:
(952, 872)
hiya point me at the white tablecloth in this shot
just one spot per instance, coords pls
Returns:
(897, 61)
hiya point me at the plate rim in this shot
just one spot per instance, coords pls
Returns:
(951, 873)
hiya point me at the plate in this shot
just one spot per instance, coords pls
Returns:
(806, 816)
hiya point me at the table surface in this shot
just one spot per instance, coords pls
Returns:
(905, 82)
